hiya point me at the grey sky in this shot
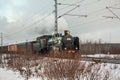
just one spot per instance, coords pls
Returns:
(21, 20)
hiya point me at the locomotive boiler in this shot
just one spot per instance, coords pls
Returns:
(70, 43)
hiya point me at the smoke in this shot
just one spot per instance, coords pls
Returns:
(18, 24)
(46, 26)
(29, 28)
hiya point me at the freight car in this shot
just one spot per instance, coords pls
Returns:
(25, 47)
(12, 48)
(3, 49)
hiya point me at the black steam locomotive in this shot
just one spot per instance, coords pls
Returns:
(57, 41)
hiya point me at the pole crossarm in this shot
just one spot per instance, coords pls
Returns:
(68, 4)
(69, 11)
(114, 7)
(113, 13)
(109, 17)
(77, 15)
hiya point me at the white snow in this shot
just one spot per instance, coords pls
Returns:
(9, 75)
(112, 71)
(103, 55)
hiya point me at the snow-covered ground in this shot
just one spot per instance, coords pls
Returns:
(116, 56)
(9, 75)
(50, 68)
(104, 70)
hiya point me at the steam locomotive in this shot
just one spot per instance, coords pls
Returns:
(46, 43)
(57, 41)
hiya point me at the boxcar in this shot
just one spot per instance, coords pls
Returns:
(3, 49)
(25, 47)
(12, 48)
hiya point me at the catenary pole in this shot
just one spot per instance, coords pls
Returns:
(1, 40)
(56, 19)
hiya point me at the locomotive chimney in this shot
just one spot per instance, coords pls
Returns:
(66, 32)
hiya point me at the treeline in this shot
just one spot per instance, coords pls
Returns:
(89, 47)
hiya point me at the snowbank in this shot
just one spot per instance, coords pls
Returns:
(103, 56)
(9, 75)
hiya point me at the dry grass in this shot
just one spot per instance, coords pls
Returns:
(63, 69)
(53, 68)
(64, 55)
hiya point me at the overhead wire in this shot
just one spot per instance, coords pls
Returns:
(38, 21)
(114, 7)
(101, 23)
(113, 13)
(70, 5)
(101, 9)
(92, 21)
(78, 2)
(68, 11)
(86, 23)
(14, 33)
(31, 17)
(33, 14)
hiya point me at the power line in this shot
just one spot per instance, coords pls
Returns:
(114, 7)
(66, 4)
(100, 9)
(29, 26)
(33, 23)
(86, 23)
(109, 17)
(69, 11)
(91, 3)
(77, 15)
(56, 13)
(77, 3)
(115, 16)
(85, 4)
(92, 20)
(113, 13)
(29, 19)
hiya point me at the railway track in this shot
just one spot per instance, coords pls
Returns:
(92, 59)
(101, 60)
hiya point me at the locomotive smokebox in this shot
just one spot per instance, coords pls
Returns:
(66, 32)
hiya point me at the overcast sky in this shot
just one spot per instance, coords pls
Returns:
(22, 20)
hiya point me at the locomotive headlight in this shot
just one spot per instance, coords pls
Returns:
(57, 41)
(65, 48)
(76, 48)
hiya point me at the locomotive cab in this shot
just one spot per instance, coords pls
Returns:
(41, 44)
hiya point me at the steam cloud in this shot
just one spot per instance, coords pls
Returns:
(29, 29)
(47, 26)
